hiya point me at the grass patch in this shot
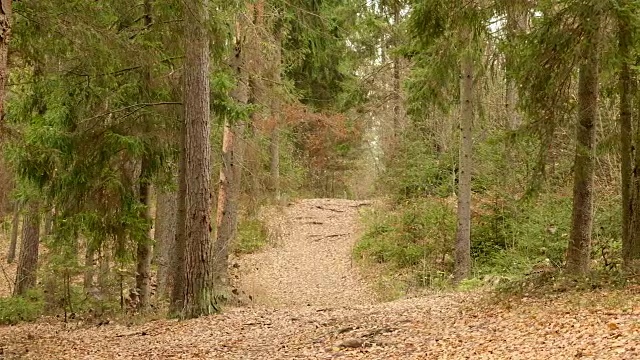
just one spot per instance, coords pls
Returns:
(253, 235)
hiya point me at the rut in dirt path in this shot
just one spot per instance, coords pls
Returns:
(311, 263)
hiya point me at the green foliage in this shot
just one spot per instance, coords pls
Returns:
(418, 171)
(509, 238)
(416, 236)
(18, 309)
(252, 236)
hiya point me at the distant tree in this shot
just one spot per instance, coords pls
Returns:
(13, 241)
(6, 19)
(232, 151)
(144, 246)
(462, 267)
(579, 251)
(28, 260)
(164, 235)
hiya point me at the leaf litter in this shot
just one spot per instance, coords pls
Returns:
(311, 303)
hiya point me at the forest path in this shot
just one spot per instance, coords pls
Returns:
(313, 305)
(310, 264)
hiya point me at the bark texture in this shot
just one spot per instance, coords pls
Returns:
(397, 100)
(230, 170)
(177, 261)
(144, 249)
(276, 106)
(463, 233)
(165, 234)
(6, 13)
(625, 119)
(28, 260)
(177, 258)
(89, 267)
(198, 293)
(579, 251)
(15, 225)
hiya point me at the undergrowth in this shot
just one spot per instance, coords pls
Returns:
(513, 242)
(18, 309)
(252, 236)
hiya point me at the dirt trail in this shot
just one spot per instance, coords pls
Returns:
(311, 264)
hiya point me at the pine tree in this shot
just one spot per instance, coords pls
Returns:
(579, 251)
(198, 292)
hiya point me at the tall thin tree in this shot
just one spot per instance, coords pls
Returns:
(463, 233)
(579, 251)
(198, 293)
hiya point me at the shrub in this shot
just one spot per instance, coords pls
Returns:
(21, 308)
(252, 236)
(416, 236)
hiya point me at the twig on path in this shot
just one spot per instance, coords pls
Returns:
(313, 223)
(366, 203)
(330, 209)
(133, 333)
(328, 236)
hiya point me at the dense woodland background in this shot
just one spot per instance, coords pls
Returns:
(140, 141)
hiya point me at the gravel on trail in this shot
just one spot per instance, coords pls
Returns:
(313, 305)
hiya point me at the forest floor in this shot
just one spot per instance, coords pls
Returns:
(309, 302)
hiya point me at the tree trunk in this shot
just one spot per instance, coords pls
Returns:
(463, 233)
(624, 48)
(89, 266)
(276, 105)
(230, 170)
(144, 247)
(397, 99)
(28, 260)
(579, 251)
(177, 259)
(6, 13)
(48, 222)
(511, 95)
(104, 269)
(144, 250)
(165, 234)
(15, 224)
(198, 294)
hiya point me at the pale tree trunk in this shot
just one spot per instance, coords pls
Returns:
(463, 234)
(89, 266)
(230, 170)
(276, 105)
(198, 295)
(579, 251)
(165, 233)
(28, 259)
(6, 13)
(624, 83)
(397, 99)
(274, 153)
(104, 269)
(15, 225)
(514, 21)
(255, 53)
